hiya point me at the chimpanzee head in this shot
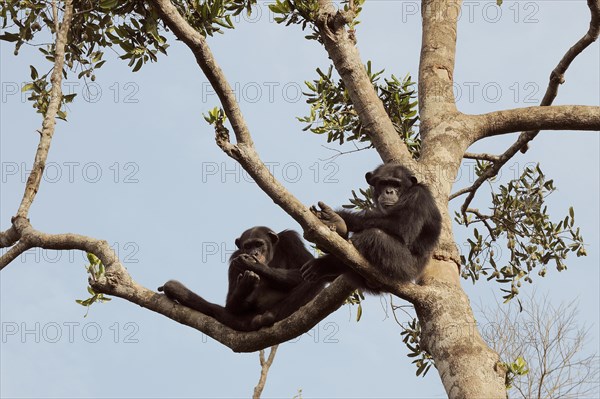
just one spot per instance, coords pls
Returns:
(259, 242)
(389, 181)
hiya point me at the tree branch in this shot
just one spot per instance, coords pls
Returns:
(117, 282)
(555, 117)
(593, 123)
(481, 157)
(13, 253)
(265, 365)
(497, 124)
(557, 77)
(8, 237)
(36, 239)
(197, 43)
(49, 123)
(346, 60)
(484, 219)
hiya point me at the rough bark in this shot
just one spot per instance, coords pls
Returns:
(467, 367)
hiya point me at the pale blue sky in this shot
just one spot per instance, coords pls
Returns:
(137, 165)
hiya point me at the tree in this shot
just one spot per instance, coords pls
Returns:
(380, 118)
(550, 341)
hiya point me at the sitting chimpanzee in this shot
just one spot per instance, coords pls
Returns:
(397, 235)
(265, 283)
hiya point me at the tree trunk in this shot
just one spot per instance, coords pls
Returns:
(467, 366)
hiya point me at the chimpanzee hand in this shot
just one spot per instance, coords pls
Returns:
(310, 271)
(331, 219)
(247, 280)
(247, 262)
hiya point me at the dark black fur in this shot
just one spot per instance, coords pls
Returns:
(398, 235)
(265, 283)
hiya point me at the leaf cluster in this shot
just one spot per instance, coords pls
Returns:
(215, 116)
(210, 16)
(411, 336)
(39, 94)
(332, 112)
(305, 13)
(297, 12)
(96, 270)
(130, 28)
(519, 218)
(356, 298)
(513, 370)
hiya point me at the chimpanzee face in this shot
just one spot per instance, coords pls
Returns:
(259, 243)
(387, 193)
(260, 249)
(389, 182)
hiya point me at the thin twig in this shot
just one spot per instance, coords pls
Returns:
(482, 157)
(340, 153)
(264, 370)
(483, 219)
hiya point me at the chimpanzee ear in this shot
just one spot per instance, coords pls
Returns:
(274, 237)
(369, 178)
(414, 180)
(238, 243)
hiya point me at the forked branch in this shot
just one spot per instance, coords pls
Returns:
(515, 120)
(499, 124)
(265, 365)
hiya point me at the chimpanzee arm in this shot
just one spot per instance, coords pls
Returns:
(350, 221)
(405, 220)
(355, 221)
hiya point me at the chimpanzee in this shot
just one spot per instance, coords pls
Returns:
(265, 283)
(397, 235)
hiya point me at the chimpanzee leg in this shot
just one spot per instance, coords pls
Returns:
(327, 268)
(297, 298)
(176, 291)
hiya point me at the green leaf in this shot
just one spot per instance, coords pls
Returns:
(108, 4)
(27, 87)
(69, 97)
(34, 72)
(138, 65)
(10, 37)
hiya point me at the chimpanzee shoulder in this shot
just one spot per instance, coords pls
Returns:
(291, 250)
